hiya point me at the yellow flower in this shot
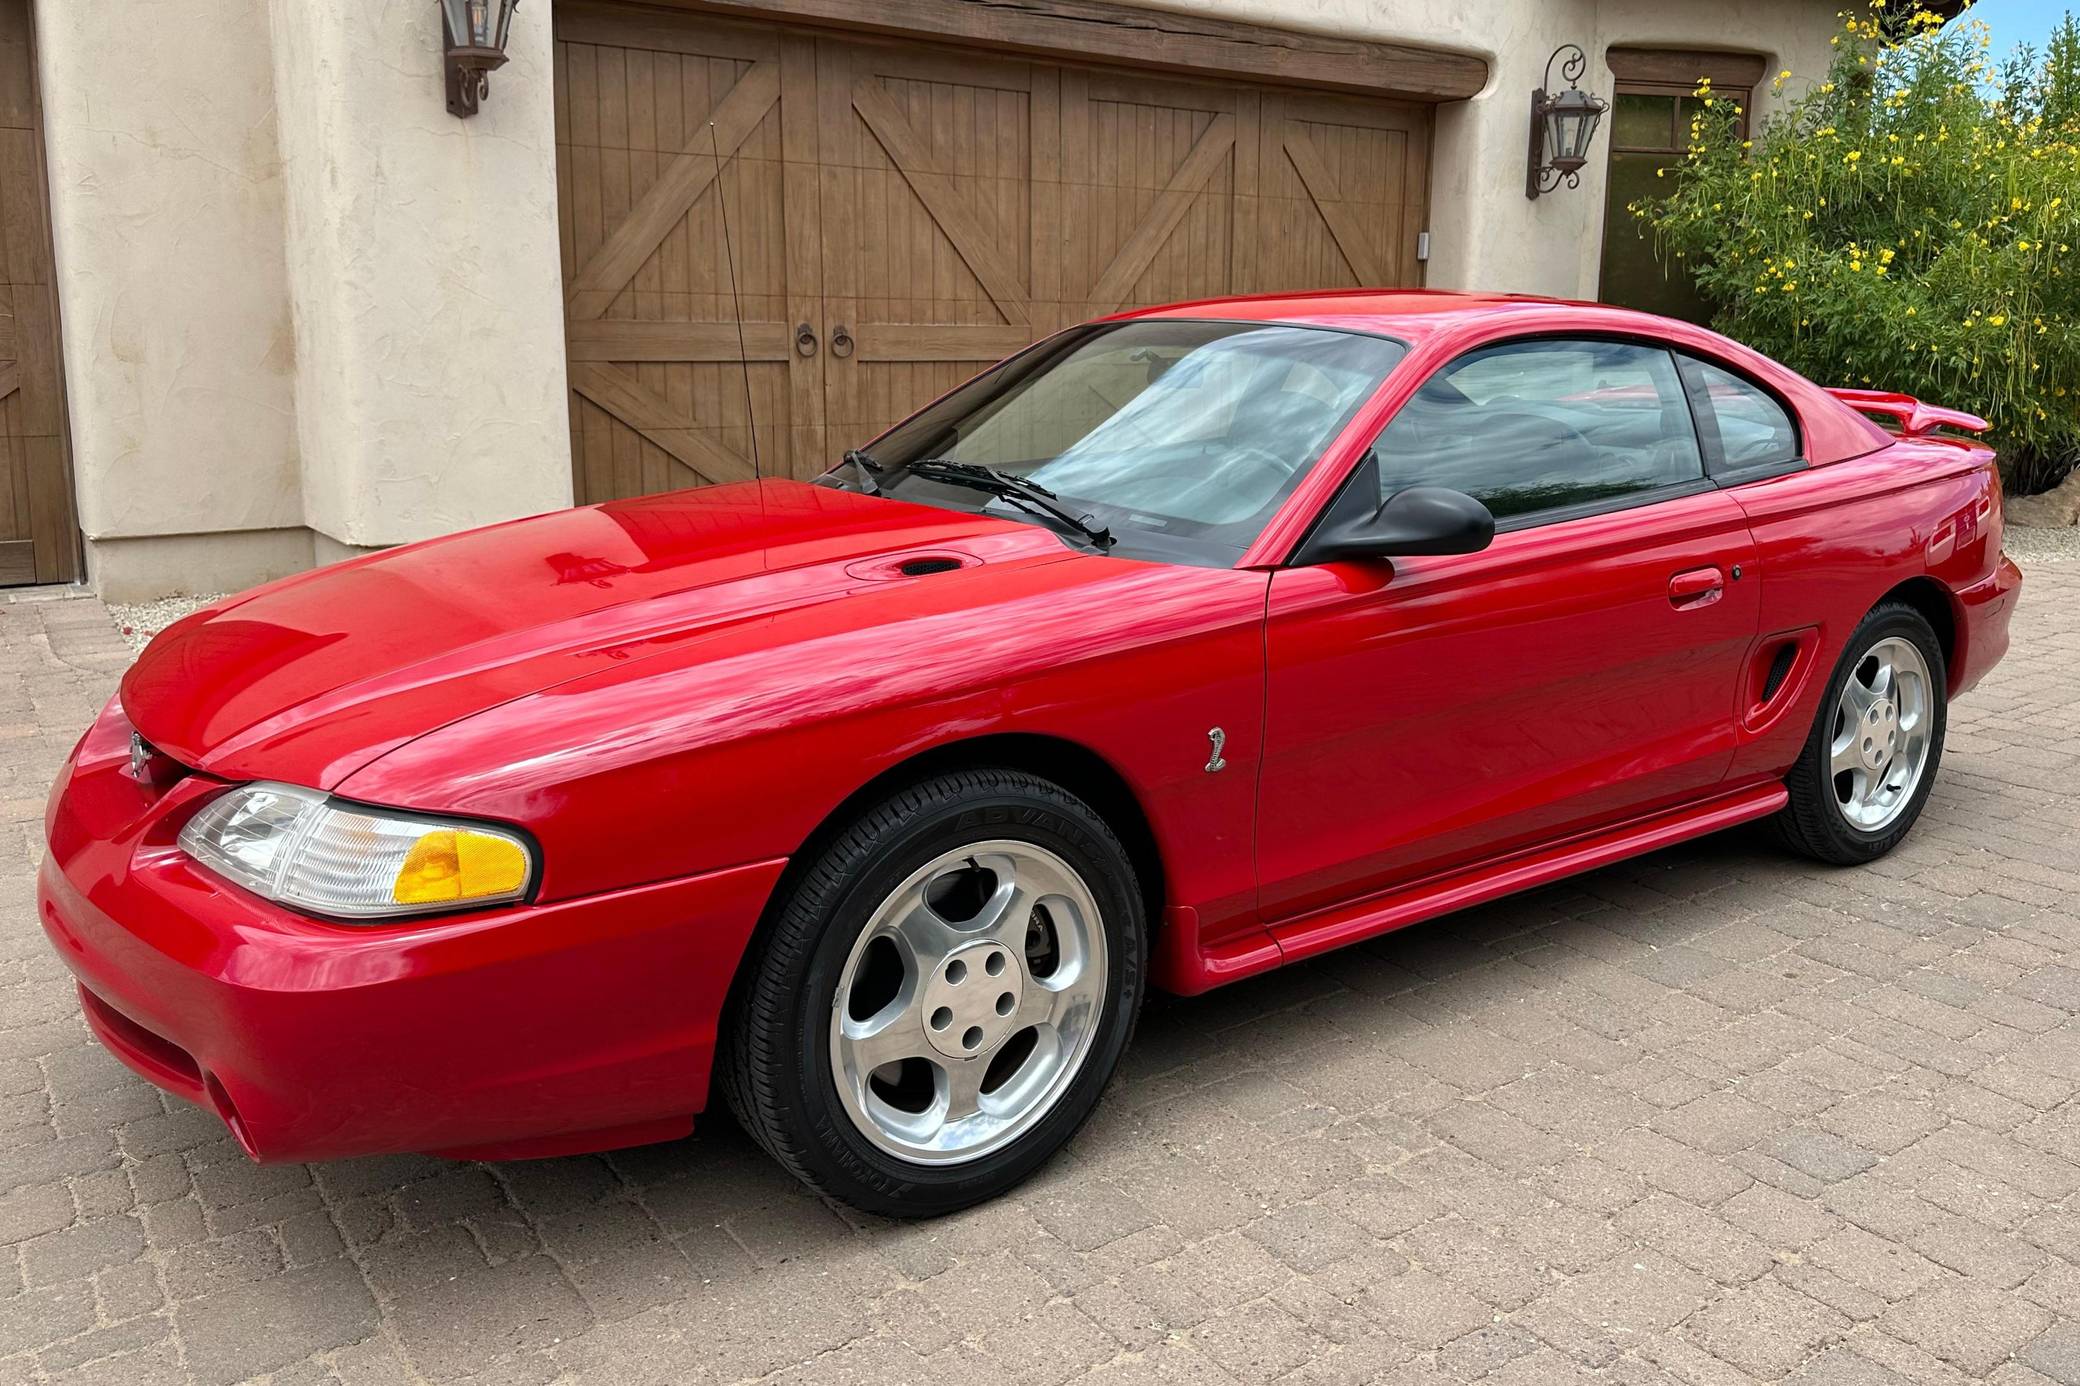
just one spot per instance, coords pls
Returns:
(1996, 319)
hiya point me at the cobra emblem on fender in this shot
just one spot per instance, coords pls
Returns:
(1217, 739)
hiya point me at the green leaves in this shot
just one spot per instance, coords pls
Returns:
(1910, 222)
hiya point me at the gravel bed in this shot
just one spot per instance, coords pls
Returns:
(140, 621)
(2026, 544)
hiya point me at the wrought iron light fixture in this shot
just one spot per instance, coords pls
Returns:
(1562, 125)
(475, 31)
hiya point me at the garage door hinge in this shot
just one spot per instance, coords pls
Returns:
(1422, 245)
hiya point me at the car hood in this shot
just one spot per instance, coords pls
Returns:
(308, 679)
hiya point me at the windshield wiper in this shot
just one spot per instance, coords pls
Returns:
(867, 468)
(1029, 495)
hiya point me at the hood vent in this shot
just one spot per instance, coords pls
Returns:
(895, 567)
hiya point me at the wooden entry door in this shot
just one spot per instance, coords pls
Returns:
(940, 247)
(39, 536)
(900, 215)
(677, 216)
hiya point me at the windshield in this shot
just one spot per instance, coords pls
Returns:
(1180, 438)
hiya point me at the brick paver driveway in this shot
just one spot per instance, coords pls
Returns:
(1714, 1116)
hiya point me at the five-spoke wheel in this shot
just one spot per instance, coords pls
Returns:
(969, 1001)
(1866, 768)
(1881, 735)
(943, 995)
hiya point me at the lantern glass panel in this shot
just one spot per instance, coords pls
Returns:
(505, 23)
(470, 22)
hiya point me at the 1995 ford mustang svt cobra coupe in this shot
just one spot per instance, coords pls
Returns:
(1179, 646)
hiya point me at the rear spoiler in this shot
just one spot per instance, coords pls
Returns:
(1914, 418)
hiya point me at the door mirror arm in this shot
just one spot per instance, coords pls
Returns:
(1415, 520)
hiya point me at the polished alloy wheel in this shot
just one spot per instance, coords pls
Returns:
(969, 1002)
(1882, 727)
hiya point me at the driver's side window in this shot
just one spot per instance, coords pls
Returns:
(1543, 425)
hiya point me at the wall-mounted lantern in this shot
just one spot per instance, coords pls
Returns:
(475, 31)
(1562, 125)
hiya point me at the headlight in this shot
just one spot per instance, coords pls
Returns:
(302, 848)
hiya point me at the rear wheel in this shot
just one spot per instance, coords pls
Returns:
(944, 996)
(1871, 757)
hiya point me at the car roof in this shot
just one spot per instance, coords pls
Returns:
(1411, 314)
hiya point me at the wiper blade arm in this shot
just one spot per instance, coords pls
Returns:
(1016, 489)
(867, 468)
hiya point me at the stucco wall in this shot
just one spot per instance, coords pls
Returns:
(166, 208)
(425, 276)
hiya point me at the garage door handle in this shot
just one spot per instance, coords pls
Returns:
(804, 339)
(1696, 587)
(841, 340)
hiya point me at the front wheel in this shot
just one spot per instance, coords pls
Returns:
(943, 996)
(1871, 758)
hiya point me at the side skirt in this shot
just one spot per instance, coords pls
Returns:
(1309, 934)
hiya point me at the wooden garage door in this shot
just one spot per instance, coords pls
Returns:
(39, 538)
(899, 215)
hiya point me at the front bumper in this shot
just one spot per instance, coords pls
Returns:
(534, 1030)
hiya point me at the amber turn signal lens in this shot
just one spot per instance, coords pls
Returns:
(452, 865)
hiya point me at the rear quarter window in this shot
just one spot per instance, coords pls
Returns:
(1753, 429)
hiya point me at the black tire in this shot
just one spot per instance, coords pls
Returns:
(1812, 823)
(776, 1068)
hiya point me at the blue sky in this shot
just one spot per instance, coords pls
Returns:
(2020, 21)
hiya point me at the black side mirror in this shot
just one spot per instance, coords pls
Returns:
(1418, 520)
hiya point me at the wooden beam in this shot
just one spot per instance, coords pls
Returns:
(1100, 31)
(624, 339)
(940, 342)
(1677, 67)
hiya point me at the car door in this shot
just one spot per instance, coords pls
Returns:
(1426, 713)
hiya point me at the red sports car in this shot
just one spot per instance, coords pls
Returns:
(1179, 646)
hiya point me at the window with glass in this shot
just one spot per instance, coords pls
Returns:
(1551, 425)
(1651, 110)
(1177, 439)
(1753, 429)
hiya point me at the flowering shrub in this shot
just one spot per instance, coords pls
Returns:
(1907, 224)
